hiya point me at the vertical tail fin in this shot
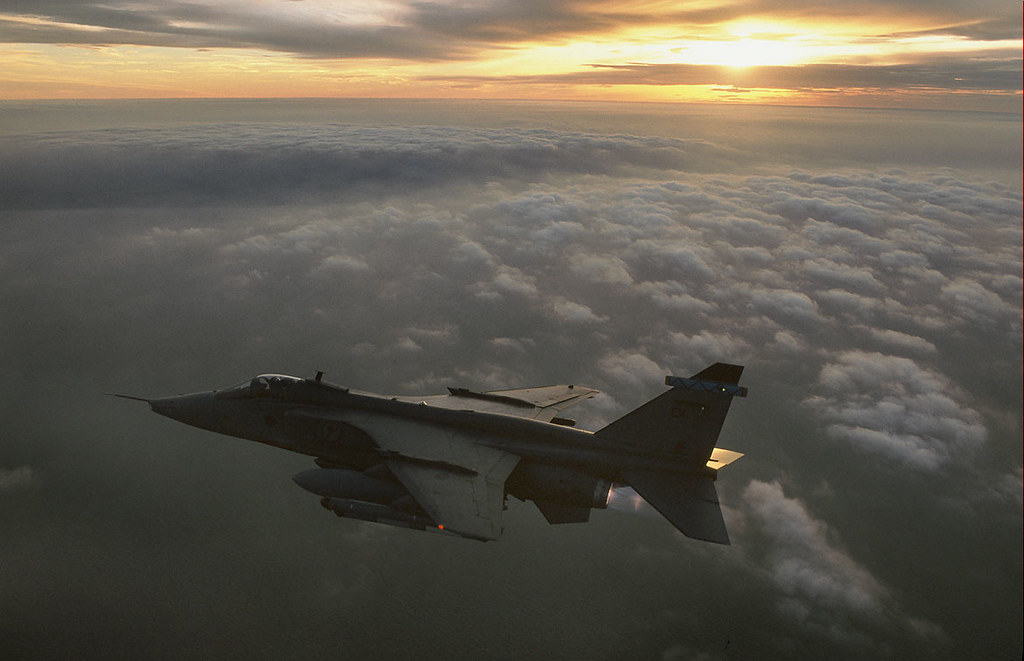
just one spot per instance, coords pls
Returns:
(684, 420)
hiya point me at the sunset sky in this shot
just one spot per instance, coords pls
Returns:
(921, 53)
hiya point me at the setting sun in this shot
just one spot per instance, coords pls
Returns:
(225, 48)
(742, 53)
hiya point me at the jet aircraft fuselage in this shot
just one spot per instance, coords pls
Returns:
(448, 462)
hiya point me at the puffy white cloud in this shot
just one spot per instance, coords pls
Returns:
(802, 560)
(844, 219)
(510, 280)
(854, 279)
(678, 261)
(514, 344)
(785, 305)
(904, 341)
(445, 334)
(343, 263)
(15, 479)
(407, 344)
(821, 588)
(706, 347)
(575, 312)
(632, 370)
(673, 296)
(972, 299)
(609, 270)
(789, 343)
(891, 406)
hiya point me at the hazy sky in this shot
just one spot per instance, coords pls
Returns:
(922, 53)
(864, 265)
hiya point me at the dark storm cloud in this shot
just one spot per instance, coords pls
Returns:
(878, 311)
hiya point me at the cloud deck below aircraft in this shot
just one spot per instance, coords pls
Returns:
(879, 311)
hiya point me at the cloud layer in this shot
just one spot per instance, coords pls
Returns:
(434, 30)
(877, 309)
(889, 405)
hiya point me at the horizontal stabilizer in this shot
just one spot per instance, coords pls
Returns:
(720, 458)
(557, 513)
(689, 502)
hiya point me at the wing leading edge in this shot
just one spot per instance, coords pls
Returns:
(550, 400)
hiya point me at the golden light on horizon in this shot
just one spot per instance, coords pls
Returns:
(749, 43)
(742, 53)
(388, 48)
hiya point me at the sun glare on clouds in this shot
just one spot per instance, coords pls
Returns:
(741, 53)
(746, 44)
(749, 44)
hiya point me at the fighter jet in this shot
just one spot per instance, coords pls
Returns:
(448, 463)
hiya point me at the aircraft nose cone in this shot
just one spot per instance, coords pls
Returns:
(163, 406)
(196, 409)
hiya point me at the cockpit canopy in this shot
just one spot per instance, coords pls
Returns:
(264, 385)
(272, 384)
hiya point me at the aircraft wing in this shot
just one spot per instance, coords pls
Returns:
(467, 503)
(543, 403)
(456, 480)
(549, 400)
